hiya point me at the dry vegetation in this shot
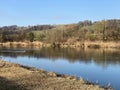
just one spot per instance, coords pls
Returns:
(16, 77)
(104, 30)
(104, 33)
(85, 44)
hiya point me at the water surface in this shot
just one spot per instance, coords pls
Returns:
(97, 65)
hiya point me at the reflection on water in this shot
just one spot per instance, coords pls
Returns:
(102, 65)
(99, 56)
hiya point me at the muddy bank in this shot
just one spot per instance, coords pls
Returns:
(17, 77)
(85, 44)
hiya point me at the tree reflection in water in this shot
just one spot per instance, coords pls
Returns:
(102, 57)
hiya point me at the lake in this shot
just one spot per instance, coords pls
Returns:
(96, 65)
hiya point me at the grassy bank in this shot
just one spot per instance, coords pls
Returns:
(85, 44)
(17, 77)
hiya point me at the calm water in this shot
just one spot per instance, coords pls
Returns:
(91, 64)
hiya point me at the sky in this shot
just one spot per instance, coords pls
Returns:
(34, 12)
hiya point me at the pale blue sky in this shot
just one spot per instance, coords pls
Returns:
(32, 12)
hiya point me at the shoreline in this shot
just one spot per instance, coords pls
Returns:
(20, 77)
(85, 44)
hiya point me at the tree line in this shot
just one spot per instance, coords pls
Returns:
(104, 30)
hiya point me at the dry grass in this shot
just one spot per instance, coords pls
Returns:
(16, 77)
(102, 44)
(85, 44)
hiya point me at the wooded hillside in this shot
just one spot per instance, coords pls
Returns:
(105, 30)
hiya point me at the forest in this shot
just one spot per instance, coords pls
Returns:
(104, 30)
